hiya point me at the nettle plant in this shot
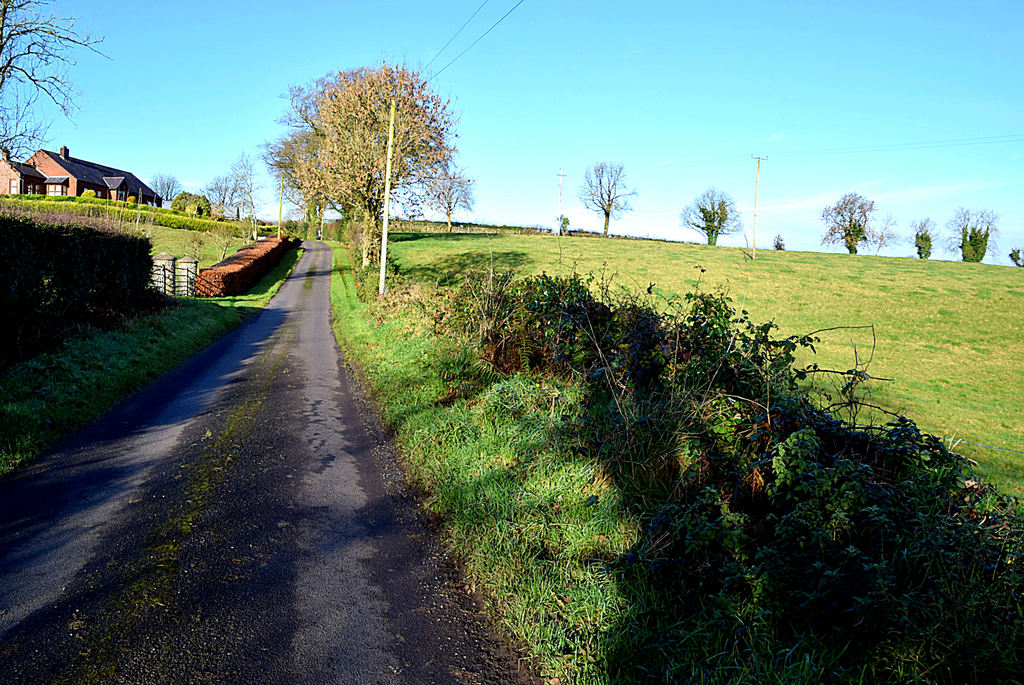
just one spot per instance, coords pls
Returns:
(762, 512)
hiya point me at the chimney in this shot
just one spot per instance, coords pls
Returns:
(64, 151)
(6, 153)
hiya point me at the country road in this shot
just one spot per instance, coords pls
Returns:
(241, 520)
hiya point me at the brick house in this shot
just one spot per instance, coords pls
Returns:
(19, 179)
(58, 173)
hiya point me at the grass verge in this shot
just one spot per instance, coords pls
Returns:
(54, 393)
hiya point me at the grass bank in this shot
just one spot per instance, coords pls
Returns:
(624, 538)
(947, 333)
(57, 392)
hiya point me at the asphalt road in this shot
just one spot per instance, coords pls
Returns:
(242, 520)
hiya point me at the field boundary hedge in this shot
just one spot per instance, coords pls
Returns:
(242, 270)
(59, 277)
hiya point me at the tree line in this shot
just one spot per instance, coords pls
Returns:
(851, 221)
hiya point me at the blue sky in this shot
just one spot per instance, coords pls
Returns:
(837, 96)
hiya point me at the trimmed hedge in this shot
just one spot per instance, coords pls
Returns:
(59, 277)
(242, 270)
(115, 210)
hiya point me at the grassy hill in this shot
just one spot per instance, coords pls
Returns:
(950, 335)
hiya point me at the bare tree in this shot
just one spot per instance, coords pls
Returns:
(35, 48)
(713, 213)
(884, 235)
(604, 191)
(848, 221)
(243, 178)
(353, 112)
(449, 191)
(971, 232)
(166, 186)
(221, 192)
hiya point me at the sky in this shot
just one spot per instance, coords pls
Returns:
(918, 106)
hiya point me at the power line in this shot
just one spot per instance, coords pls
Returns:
(887, 147)
(476, 41)
(919, 145)
(456, 35)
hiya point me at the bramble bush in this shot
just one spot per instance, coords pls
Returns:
(773, 530)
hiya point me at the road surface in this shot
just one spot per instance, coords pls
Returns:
(241, 520)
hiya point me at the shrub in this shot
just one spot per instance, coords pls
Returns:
(88, 194)
(770, 525)
(59, 277)
(1015, 257)
(778, 244)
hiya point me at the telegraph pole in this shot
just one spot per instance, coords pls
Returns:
(757, 184)
(561, 175)
(280, 208)
(387, 202)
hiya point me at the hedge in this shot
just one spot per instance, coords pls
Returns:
(58, 277)
(115, 210)
(242, 270)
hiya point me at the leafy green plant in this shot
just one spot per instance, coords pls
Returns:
(923, 231)
(767, 522)
(89, 194)
(1015, 257)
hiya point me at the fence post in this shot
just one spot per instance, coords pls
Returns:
(163, 273)
(185, 277)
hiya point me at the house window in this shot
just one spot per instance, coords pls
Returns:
(121, 196)
(56, 189)
(14, 186)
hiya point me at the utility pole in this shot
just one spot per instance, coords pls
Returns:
(280, 208)
(387, 202)
(757, 184)
(561, 175)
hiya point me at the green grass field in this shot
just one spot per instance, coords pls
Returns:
(949, 334)
(174, 241)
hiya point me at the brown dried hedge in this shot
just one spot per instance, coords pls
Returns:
(242, 270)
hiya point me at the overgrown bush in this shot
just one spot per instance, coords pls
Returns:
(773, 530)
(779, 243)
(59, 277)
(1015, 257)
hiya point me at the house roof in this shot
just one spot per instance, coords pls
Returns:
(97, 174)
(113, 182)
(56, 180)
(26, 170)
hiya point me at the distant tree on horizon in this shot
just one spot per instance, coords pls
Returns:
(166, 186)
(1015, 257)
(604, 191)
(848, 222)
(971, 231)
(923, 236)
(713, 213)
(449, 190)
